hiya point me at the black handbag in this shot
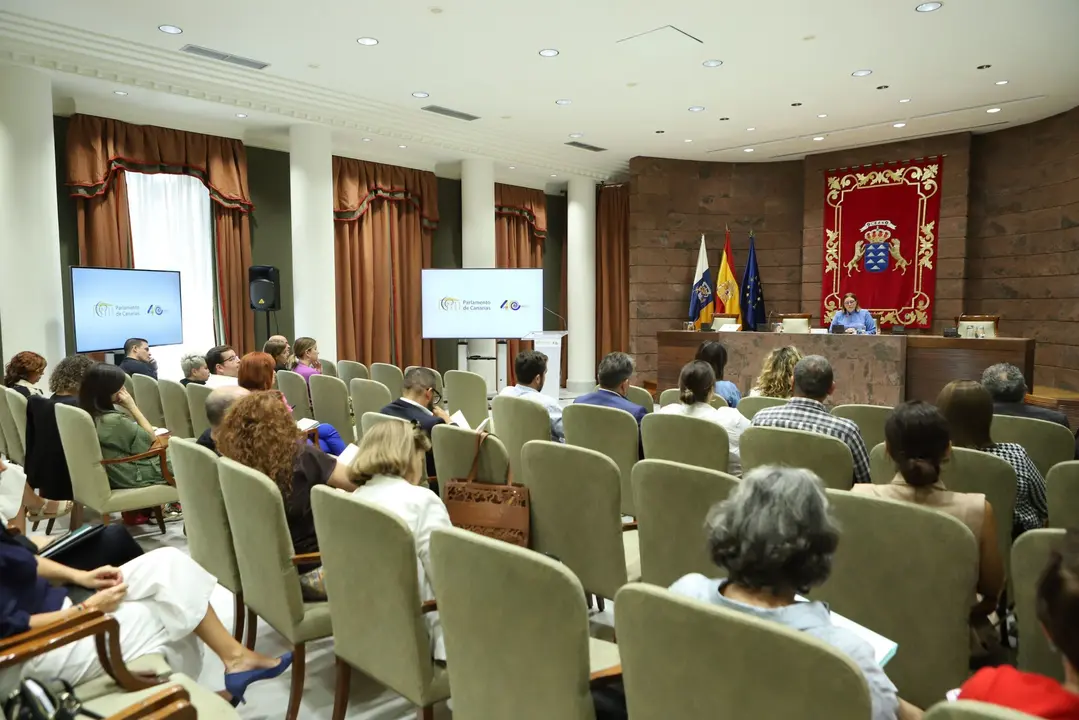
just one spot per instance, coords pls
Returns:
(45, 700)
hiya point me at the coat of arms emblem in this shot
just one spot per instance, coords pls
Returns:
(877, 250)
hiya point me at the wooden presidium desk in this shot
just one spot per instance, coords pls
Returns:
(871, 369)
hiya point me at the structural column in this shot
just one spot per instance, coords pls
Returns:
(314, 295)
(31, 291)
(581, 283)
(478, 244)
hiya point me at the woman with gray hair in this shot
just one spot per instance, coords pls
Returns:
(194, 368)
(775, 537)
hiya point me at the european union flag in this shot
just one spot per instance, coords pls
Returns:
(753, 312)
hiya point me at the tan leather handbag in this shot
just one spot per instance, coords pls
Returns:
(495, 511)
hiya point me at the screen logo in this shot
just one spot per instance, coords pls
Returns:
(154, 310)
(104, 309)
(449, 303)
(511, 305)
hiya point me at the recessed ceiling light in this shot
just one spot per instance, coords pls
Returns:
(421, 94)
(862, 73)
(366, 139)
(993, 110)
(688, 140)
(822, 115)
(367, 41)
(576, 135)
(712, 63)
(818, 138)
(119, 92)
(548, 52)
(750, 129)
(241, 115)
(796, 104)
(904, 100)
(748, 150)
(402, 146)
(696, 108)
(562, 102)
(882, 87)
(984, 67)
(929, 6)
(170, 29)
(1002, 82)
(899, 125)
(553, 175)
(513, 167)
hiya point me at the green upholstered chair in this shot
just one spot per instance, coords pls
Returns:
(828, 457)
(967, 710)
(296, 392)
(268, 568)
(669, 397)
(674, 667)
(439, 386)
(908, 573)
(390, 376)
(349, 369)
(1046, 442)
(175, 408)
(673, 501)
(209, 536)
(870, 420)
(3, 439)
(369, 419)
(610, 431)
(688, 440)
(90, 484)
(196, 406)
(882, 468)
(455, 450)
(516, 631)
(329, 367)
(718, 402)
(12, 406)
(148, 398)
(576, 514)
(751, 404)
(1030, 555)
(1062, 494)
(329, 404)
(129, 385)
(517, 421)
(368, 396)
(378, 619)
(467, 392)
(642, 397)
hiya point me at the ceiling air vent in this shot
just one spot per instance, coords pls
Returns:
(439, 110)
(586, 146)
(211, 54)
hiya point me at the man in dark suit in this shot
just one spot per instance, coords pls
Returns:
(137, 358)
(614, 375)
(217, 404)
(1008, 387)
(420, 405)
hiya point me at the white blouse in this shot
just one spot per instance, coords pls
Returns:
(731, 420)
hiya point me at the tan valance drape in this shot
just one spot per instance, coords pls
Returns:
(612, 270)
(384, 219)
(520, 229)
(101, 150)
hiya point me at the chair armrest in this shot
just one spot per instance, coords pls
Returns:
(53, 628)
(306, 558)
(172, 703)
(158, 452)
(613, 671)
(428, 606)
(312, 435)
(631, 525)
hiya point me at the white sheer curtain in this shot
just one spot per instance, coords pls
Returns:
(171, 230)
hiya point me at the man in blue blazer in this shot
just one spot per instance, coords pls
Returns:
(615, 372)
(420, 405)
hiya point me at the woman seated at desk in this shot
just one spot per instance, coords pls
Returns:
(853, 319)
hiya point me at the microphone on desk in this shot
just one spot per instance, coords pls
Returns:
(565, 325)
(770, 314)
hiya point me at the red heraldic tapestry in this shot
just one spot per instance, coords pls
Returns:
(880, 240)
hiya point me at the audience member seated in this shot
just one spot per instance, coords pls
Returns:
(775, 537)
(111, 545)
(161, 600)
(853, 319)
(917, 439)
(715, 354)
(696, 384)
(195, 369)
(307, 363)
(389, 470)
(279, 350)
(530, 367)
(1008, 388)
(777, 373)
(1058, 613)
(813, 383)
(614, 375)
(23, 371)
(224, 366)
(217, 404)
(420, 405)
(259, 432)
(137, 358)
(969, 411)
(18, 502)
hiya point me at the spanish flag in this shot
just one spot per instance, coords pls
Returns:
(701, 299)
(726, 286)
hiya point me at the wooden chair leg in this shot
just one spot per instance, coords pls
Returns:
(33, 525)
(157, 513)
(238, 613)
(298, 671)
(48, 526)
(76, 517)
(588, 599)
(252, 628)
(599, 603)
(425, 713)
(340, 690)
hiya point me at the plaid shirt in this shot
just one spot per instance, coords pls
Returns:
(804, 414)
(1031, 508)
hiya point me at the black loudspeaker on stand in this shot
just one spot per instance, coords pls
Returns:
(264, 285)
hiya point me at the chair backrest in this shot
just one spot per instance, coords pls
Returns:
(669, 397)
(870, 420)
(796, 325)
(349, 369)
(455, 449)
(642, 397)
(390, 376)
(1062, 494)
(1047, 443)
(14, 440)
(369, 419)
(377, 626)
(760, 669)
(439, 387)
(196, 405)
(329, 367)
(129, 385)
(148, 398)
(969, 325)
(968, 710)
(576, 516)
(263, 545)
(1030, 554)
(517, 421)
(718, 402)
(908, 573)
(467, 392)
(516, 626)
(752, 404)
(176, 410)
(610, 431)
(82, 451)
(684, 439)
(827, 456)
(296, 393)
(3, 410)
(329, 404)
(209, 535)
(881, 467)
(368, 396)
(17, 404)
(672, 502)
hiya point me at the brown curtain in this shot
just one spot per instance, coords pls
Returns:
(101, 150)
(612, 270)
(520, 229)
(385, 217)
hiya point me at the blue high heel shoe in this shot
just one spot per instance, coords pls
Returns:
(236, 683)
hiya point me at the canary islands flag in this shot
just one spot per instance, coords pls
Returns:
(701, 298)
(727, 296)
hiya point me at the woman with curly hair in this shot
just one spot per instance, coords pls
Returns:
(22, 371)
(259, 432)
(777, 373)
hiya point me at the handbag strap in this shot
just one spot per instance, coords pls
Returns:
(480, 437)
